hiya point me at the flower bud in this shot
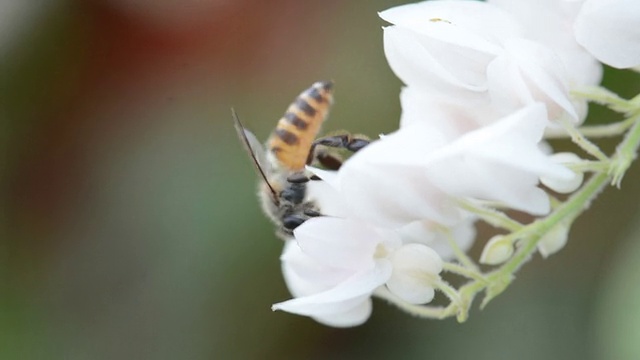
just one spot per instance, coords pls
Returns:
(554, 240)
(416, 269)
(564, 186)
(498, 250)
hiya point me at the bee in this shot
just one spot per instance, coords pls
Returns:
(291, 146)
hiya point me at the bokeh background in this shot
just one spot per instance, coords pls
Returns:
(130, 227)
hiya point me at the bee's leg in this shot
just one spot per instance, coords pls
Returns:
(350, 142)
(297, 189)
(331, 160)
(311, 213)
(328, 160)
(299, 177)
(292, 221)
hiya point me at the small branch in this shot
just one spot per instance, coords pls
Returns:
(463, 271)
(462, 257)
(602, 96)
(625, 154)
(491, 216)
(423, 311)
(528, 236)
(588, 165)
(594, 131)
(533, 232)
(578, 138)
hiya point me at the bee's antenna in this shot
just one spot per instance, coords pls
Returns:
(240, 129)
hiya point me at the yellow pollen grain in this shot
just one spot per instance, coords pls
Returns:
(381, 252)
(439, 20)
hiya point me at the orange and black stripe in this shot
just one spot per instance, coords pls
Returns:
(292, 139)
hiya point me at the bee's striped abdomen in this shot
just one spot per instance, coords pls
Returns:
(291, 141)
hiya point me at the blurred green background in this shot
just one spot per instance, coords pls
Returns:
(130, 227)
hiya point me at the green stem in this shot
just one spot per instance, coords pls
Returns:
(587, 165)
(491, 216)
(527, 236)
(448, 290)
(578, 138)
(460, 255)
(595, 131)
(429, 312)
(626, 152)
(555, 203)
(570, 209)
(464, 271)
(601, 96)
(533, 232)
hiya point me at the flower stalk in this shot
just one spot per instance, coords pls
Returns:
(398, 218)
(528, 236)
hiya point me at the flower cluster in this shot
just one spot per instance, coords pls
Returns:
(484, 81)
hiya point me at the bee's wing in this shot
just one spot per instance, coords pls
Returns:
(256, 152)
(253, 147)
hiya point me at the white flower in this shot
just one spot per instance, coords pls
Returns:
(424, 232)
(483, 80)
(415, 270)
(557, 33)
(500, 162)
(554, 240)
(609, 30)
(445, 44)
(414, 174)
(335, 265)
(431, 234)
(376, 186)
(448, 115)
(497, 250)
(474, 53)
(568, 185)
(528, 72)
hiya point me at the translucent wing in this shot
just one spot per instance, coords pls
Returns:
(256, 152)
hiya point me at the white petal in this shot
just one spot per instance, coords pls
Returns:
(415, 63)
(445, 45)
(511, 140)
(344, 297)
(380, 188)
(341, 243)
(358, 315)
(425, 232)
(407, 146)
(500, 162)
(328, 199)
(306, 276)
(327, 303)
(409, 175)
(450, 115)
(556, 32)
(528, 72)
(328, 176)
(415, 270)
(470, 24)
(609, 30)
(564, 186)
(487, 180)
(497, 250)
(554, 240)
(422, 232)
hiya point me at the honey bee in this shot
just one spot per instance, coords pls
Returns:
(291, 146)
